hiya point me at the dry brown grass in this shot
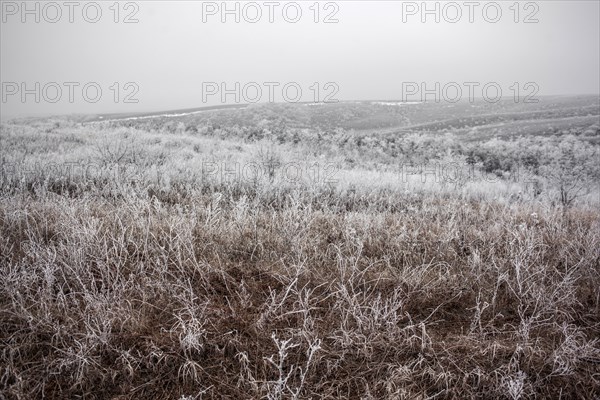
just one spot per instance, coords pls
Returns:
(276, 292)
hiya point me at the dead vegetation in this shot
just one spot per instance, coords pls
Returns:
(145, 289)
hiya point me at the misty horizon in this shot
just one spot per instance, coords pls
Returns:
(158, 55)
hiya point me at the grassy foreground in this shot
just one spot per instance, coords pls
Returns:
(169, 286)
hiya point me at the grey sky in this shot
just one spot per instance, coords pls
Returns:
(369, 53)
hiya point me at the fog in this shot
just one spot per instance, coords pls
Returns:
(158, 55)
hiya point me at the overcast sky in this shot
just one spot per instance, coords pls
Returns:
(170, 54)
